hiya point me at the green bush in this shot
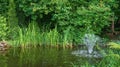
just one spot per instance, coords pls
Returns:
(111, 60)
(3, 28)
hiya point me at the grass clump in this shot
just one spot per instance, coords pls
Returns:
(34, 36)
(114, 45)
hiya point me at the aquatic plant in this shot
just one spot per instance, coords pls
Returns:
(33, 36)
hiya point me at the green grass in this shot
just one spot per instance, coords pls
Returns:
(34, 36)
(111, 60)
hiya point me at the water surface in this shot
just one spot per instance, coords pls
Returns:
(40, 57)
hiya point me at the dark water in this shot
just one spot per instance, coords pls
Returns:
(40, 57)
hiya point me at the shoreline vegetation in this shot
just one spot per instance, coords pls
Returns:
(32, 36)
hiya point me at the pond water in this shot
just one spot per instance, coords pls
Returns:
(41, 57)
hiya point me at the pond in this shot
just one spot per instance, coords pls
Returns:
(41, 57)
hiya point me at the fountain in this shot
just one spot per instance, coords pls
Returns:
(89, 40)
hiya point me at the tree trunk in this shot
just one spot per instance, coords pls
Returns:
(112, 26)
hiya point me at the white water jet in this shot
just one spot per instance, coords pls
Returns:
(90, 41)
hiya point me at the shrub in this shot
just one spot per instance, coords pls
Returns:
(3, 28)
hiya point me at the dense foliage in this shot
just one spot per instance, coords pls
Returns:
(3, 7)
(76, 17)
(70, 18)
(3, 28)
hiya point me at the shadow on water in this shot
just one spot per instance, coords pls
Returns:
(39, 57)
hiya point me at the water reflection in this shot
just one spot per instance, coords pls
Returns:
(39, 57)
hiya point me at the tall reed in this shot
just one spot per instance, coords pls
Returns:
(67, 38)
(27, 36)
(33, 36)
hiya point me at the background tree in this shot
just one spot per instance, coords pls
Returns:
(12, 19)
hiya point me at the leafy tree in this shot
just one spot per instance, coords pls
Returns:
(3, 7)
(85, 17)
